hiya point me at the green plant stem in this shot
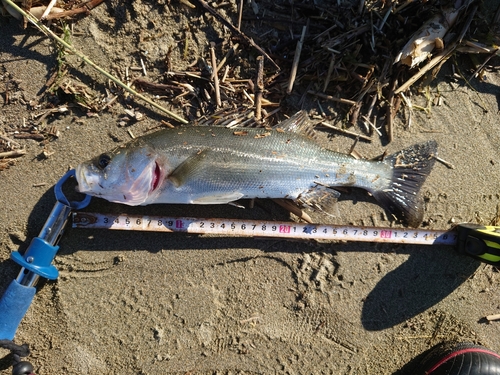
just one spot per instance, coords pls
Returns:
(69, 47)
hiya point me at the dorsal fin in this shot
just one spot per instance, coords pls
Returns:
(298, 123)
(229, 118)
(244, 118)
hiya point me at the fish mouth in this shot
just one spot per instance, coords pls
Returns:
(83, 186)
(155, 180)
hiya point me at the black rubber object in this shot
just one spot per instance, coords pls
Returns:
(461, 359)
(22, 368)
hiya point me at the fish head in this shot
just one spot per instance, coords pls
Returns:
(127, 175)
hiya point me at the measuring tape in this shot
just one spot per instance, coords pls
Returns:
(480, 242)
(254, 228)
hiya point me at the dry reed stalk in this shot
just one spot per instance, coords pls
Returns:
(260, 88)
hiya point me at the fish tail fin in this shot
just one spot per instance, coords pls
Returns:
(410, 168)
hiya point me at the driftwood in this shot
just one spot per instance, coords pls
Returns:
(431, 35)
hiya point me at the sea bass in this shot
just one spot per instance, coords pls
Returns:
(215, 165)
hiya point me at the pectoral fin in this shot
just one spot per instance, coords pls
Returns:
(189, 169)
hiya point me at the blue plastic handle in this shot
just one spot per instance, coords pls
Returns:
(38, 260)
(13, 306)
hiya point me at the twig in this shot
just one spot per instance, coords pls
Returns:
(384, 20)
(224, 76)
(10, 141)
(361, 6)
(226, 23)
(470, 17)
(372, 105)
(143, 68)
(215, 75)
(224, 59)
(12, 154)
(419, 47)
(325, 32)
(440, 57)
(251, 319)
(353, 152)
(347, 132)
(332, 98)
(341, 39)
(260, 88)
(240, 14)
(391, 110)
(36, 136)
(48, 9)
(474, 47)
(287, 205)
(483, 64)
(273, 112)
(367, 121)
(42, 116)
(188, 4)
(245, 94)
(329, 73)
(354, 112)
(69, 47)
(444, 55)
(87, 7)
(447, 164)
(296, 60)
(410, 108)
(372, 27)
(493, 317)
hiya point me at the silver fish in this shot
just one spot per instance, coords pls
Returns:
(215, 165)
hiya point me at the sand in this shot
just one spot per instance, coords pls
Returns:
(151, 303)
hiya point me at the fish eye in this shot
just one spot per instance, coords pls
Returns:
(103, 161)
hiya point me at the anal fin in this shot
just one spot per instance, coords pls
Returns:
(319, 197)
